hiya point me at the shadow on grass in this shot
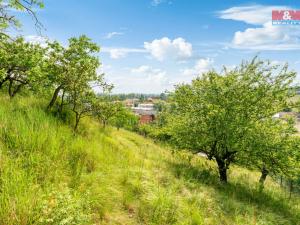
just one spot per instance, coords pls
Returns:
(263, 201)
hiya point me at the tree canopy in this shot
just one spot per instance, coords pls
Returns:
(214, 113)
(7, 19)
(21, 64)
(270, 147)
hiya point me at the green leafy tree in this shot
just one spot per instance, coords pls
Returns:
(163, 96)
(125, 119)
(294, 176)
(160, 105)
(214, 112)
(73, 77)
(81, 102)
(269, 147)
(21, 64)
(82, 98)
(105, 110)
(72, 67)
(8, 20)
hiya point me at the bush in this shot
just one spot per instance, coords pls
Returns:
(64, 208)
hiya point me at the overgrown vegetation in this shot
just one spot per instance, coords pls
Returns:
(59, 166)
(50, 176)
(218, 113)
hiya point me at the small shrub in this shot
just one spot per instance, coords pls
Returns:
(64, 208)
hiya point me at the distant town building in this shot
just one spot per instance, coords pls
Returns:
(146, 119)
(131, 102)
(149, 99)
(145, 111)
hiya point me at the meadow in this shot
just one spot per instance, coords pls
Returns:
(51, 175)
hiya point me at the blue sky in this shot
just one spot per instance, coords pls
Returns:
(147, 46)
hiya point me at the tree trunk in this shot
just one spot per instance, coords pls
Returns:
(104, 124)
(76, 122)
(62, 103)
(54, 97)
(10, 88)
(17, 89)
(264, 174)
(222, 169)
(291, 189)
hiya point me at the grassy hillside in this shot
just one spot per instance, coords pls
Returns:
(48, 175)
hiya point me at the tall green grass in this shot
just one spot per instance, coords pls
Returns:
(49, 175)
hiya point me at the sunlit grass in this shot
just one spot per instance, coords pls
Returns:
(49, 175)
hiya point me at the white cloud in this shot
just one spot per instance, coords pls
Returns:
(277, 63)
(141, 69)
(265, 37)
(230, 67)
(254, 14)
(165, 48)
(158, 78)
(143, 79)
(268, 37)
(137, 84)
(34, 39)
(117, 53)
(157, 2)
(155, 76)
(201, 66)
(112, 34)
(104, 68)
(160, 49)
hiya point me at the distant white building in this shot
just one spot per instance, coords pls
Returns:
(145, 106)
(146, 112)
(144, 109)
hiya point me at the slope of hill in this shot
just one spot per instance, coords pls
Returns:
(48, 175)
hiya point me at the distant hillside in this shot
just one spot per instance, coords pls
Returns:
(48, 175)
